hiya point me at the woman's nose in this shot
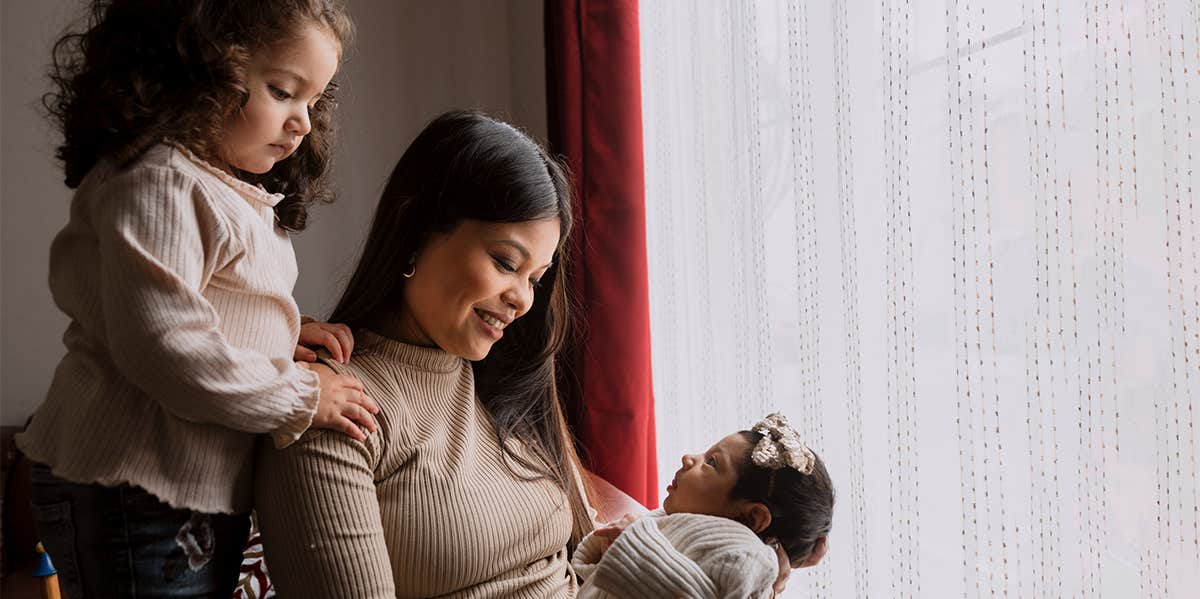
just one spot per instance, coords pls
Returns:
(518, 299)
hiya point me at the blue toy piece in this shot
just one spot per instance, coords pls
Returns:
(45, 567)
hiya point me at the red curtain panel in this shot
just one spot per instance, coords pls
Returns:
(594, 103)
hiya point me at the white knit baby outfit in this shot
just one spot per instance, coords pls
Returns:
(677, 555)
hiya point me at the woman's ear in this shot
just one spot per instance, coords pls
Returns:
(756, 516)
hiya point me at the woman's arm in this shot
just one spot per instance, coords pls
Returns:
(319, 516)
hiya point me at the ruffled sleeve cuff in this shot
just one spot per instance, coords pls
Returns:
(308, 389)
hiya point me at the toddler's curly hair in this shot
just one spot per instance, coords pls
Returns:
(147, 70)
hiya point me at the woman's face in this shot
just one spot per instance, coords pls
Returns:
(472, 283)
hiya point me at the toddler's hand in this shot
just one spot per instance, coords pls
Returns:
(336, 338)
(343, 405)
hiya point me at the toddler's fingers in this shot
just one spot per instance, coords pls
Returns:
(347, 426)
(365, 401)
(350, 382)
(360, 415)
(330, 342)
(345, 338)
(303, 354)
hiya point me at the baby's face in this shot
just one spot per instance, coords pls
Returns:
(703, 484)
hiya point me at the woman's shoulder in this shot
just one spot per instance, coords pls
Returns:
(365, 364)
(383, 377)
(352, 368)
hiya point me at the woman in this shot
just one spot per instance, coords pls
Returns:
(470, 485)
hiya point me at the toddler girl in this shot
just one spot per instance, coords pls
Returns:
(196, 134)
(708, 538)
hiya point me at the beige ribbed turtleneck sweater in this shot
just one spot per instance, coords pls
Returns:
(425, 507)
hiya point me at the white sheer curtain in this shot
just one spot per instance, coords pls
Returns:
(956, 242)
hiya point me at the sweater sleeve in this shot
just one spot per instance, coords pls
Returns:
(160, 242)
(743, 571)
(591, 548)
(587, 556)
(643, 564)
(321, 520)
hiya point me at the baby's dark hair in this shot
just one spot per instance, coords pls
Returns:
(147, 70)
(801, 504)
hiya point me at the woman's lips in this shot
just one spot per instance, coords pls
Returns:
(488, 328)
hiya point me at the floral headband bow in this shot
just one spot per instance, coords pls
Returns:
(781, 446)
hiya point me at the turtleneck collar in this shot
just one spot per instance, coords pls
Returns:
(430, 359)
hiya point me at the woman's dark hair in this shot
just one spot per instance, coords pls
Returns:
(801, 504)
(469, 166)
(147, 70)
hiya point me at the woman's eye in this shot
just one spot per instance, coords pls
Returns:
(279, 94)
(504, 265)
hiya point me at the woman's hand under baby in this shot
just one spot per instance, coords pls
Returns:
(343, 405)
(785, 568)
(612, 530)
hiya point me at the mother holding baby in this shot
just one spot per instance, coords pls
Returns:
(470, 486)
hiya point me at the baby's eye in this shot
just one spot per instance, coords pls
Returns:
(535, 283)
(279, 94)
(711, 461)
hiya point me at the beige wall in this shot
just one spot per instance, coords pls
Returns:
(412, 61)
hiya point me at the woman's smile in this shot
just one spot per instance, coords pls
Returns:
(493, 327)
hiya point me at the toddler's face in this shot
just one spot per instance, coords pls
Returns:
(284, 82)
(703, 484)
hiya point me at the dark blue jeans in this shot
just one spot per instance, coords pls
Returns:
(124, 542)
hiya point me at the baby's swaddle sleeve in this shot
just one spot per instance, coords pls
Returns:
(642, 564)
(587, 556)
(744, 571)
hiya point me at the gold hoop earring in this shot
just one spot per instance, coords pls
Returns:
(412, 267)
